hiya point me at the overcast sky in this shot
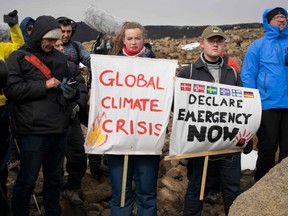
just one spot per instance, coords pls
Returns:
(151, 12)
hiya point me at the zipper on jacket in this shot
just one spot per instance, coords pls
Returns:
(265, 79)
(277, 55)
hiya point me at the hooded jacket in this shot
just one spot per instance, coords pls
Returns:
(6, 48)
(37, 110)
(24, 24)
(264, 67)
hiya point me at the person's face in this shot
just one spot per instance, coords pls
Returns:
(134, 39)
(47, 44)
(59, 45)
(279, 20)
(212, 47)
(29, 29)
(66, 33)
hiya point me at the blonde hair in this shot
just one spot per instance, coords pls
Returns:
(118, 41)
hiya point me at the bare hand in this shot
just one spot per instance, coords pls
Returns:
(52, 83)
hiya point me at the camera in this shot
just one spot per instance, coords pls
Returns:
(9, 19)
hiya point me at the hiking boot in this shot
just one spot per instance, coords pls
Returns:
(73, 196)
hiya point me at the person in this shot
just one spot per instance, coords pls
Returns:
(26, 26)
(76, 164)
(42, 92)
(6, 48)
(210, 67)
(75, 52)
(142, 168)
(74, 151)
(265, 69)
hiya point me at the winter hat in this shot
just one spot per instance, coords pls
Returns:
(53, 34)
(212, 31)
(274, 12)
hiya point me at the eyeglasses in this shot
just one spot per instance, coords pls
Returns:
(29, 28)
(278, 17)
(217, 41)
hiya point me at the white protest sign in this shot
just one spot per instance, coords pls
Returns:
(212, 116)
(130, 104)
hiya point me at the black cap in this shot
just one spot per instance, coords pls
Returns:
(274, 12)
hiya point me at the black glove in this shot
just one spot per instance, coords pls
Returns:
(14, 18)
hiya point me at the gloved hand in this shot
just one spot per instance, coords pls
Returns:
(75, 111)
(14, 18)
(69, 89)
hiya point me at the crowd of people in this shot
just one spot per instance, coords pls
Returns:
(44, 101)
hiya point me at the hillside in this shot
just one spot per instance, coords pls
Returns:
(84, 33)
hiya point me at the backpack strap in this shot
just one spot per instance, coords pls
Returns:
(75, 46)
(37, 63)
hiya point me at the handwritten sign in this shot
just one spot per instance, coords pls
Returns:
(211, 116)
(130, 103)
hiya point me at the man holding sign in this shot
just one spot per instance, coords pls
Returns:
(210, 67)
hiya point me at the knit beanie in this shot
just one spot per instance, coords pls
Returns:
(274, 12)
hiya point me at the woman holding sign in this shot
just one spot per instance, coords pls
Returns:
(142, 168)
(210, 67)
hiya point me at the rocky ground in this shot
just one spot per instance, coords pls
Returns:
(172, 180)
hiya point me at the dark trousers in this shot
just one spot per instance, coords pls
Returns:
(144, 170)
(75, 154)
(273, 132)
(47, 151)
(229, 168)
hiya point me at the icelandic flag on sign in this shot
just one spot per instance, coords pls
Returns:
(225, 91)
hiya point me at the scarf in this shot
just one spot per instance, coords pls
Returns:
(128, 52)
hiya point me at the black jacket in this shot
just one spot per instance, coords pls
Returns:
(200, 72)
(83, 92)
(37, 110)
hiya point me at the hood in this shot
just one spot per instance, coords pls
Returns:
(273, 32)
(24, 25)
(42, 25)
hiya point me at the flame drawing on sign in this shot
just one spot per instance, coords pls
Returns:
(95, 136)
(242, 139)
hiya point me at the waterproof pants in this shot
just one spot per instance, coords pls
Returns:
(75, 154)
(273, 132)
